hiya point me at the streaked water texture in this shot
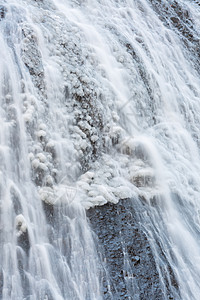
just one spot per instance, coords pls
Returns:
(100, 101)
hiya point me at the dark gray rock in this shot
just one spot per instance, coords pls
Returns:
(129, 271)
(32, 58)
(3, 11)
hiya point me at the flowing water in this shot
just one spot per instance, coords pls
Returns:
(100, 101)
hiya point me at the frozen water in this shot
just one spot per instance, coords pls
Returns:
(100, 101)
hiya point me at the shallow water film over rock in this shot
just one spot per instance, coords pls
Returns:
(99, 150)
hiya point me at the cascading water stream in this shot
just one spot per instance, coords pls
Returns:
(34, 264)
(99, 103)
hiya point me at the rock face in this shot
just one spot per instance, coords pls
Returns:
(176, 16)
(126, 252)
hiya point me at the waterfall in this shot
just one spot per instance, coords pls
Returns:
(100, 103)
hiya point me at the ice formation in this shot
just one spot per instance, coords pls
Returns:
(99, 103)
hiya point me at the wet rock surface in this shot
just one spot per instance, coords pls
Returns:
(3, 11)
(32, 58)
(177, 17)
(126, 252)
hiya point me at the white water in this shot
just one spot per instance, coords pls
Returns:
(100, 101)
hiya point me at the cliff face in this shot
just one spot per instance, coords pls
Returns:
(99, 104)
(126, 252)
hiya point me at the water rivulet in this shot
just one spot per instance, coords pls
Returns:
(100, 112)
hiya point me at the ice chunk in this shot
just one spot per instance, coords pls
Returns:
(94, 138)
(42, 127)
(41, 157)
(61, 193)
(128, 146)
(99, 200)
(43, 167)
(87, 176)
(35, 163)
(41, 133)
(51, 144)
(47, 195)
(31, 156)
(49, 180)
(123, 192)
(20, 224)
